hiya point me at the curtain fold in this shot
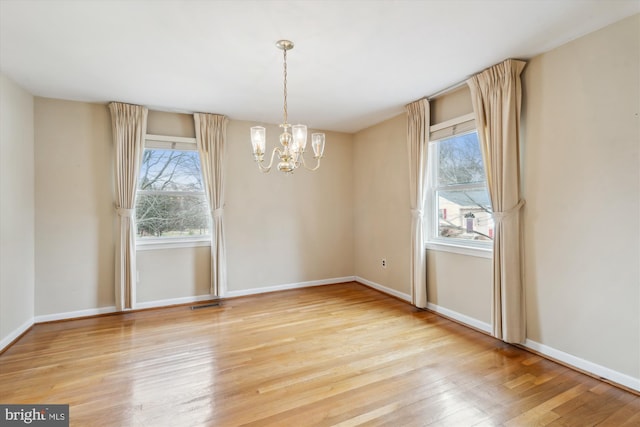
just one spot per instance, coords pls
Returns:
(496, 94)
(211, 140)
(417, 140)
(129, 123)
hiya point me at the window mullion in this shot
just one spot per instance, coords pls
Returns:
(170, 193)
(460, 187)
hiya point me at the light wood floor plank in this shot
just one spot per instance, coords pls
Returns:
(339, 355)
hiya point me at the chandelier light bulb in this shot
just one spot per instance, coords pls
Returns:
(317, 143)
(300, 136)
(258, 140)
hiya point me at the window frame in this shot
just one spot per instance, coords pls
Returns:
(458, 126)
(163, 142)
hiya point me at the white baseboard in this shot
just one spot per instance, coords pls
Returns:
(112, 309)
(185, 300)
(585, 365)
(374, 285)
(15, 334)
(174, 301)
(462, 318)
(253, 291)
(73, 314)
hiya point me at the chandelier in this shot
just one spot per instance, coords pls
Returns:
(293, 138)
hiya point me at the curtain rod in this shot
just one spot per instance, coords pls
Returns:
(447, 89)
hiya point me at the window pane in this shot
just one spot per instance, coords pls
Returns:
(160, 215)
(170, 170)
(460, 160)
(464, 214)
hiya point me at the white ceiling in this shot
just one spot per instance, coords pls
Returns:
(355, 63)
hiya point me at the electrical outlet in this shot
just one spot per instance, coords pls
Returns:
(384, 263)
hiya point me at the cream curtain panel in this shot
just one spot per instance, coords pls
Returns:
(129, 124)
(417, 139)
(211, 139)
(496, 94)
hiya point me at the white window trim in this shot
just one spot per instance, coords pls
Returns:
(453, 122)
(433, 241)
(172, 142)
(150, 243)
(459, 249)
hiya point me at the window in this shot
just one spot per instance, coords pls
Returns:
(460, 209)
(170, 202)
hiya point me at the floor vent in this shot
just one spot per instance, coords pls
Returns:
(213, 304)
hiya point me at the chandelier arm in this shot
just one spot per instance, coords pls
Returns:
(273, 155)
(304, 164)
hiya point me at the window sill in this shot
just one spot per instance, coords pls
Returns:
(171, 243)
(461, 250)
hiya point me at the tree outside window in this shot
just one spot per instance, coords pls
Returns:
(170, 201)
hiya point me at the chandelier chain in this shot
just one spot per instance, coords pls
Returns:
(285, 86)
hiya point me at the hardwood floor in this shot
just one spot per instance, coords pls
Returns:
(339, 355)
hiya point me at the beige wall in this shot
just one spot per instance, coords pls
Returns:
(581, 136)
(461, 283)
(17, 257)
(285, 229)
(451, 105)
(74, 206)
(280, 230)
(382, 221)
(165, 274)
(170, 124)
